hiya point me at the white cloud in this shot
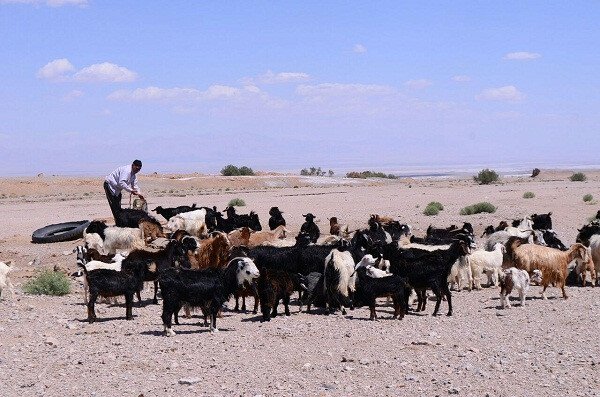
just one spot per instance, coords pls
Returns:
(50, 3)
(337, 89)
(418, 84)
(73, 95)
(154, 94)
(461, 78)
(105, 73)
(269, 77)
(522, 56)
(508, 93)
(55, 70)
(359, 48)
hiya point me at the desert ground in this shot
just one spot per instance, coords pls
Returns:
(547, 348)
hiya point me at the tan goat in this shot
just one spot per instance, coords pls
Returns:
(551, 262)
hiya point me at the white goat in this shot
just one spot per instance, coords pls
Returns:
(514, 278)
(193, 222)
(123, 238)
(595, 252)
(5, 284)
(488, 262)
(337, 289)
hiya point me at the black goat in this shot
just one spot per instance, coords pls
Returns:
(396, 229)
(368, 289)
(586, 232)
(276, 218)
(274, 285)
(552, 240)
(542, 221)
(129, 217)
(168, 213)
(314, 291)
(109, 283)
(310, 227)
(244, 291)
(235, 221)
(173, 255)
(429, 270)
(207, 289)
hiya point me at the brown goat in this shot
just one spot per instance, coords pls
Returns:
(259, 238)
(239, 237)
(551, 262)
(213, 252)
(334, 226)
(151, 230)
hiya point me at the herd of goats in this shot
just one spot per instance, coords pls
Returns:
(206, 258)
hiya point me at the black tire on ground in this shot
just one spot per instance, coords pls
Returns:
(59, 232)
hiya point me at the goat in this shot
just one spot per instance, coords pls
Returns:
(240, 220)
(339, 280)
(314, 293)
(579, 272)
(586, 232)
(111, 238)
(168, 213)
(111, 283)
(151, 229)
(240, 237)
(274, 285)
(193, 222)
(209, 288)
(82, 263)
(212, 252)
(243, 292)
(368, 289)
(173, 255)
(541, 221)
(310, 227)
(488, 262)
(276, 218)
(594, 242)
(259, 238)
(5, 283)
(551, 262)
(129, 217)
(429, 270)
(513, 278)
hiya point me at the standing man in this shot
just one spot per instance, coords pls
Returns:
(123, 178)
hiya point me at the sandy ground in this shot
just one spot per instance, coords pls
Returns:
(548, 348)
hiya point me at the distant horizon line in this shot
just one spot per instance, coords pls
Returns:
(403, 171)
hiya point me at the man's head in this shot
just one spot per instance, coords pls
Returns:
(136, 166)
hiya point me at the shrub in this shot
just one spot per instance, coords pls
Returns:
(433, 208)
(578, 177)
(527, 195)
(236, 202)
(369, 174)
(313, 171)
(478, 208)
(588, 198)
(48, 282)
(486, 176)
(232, 170)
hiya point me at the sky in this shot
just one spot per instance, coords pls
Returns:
(189, 86)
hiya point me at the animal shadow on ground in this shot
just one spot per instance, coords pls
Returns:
(104, 319)
(180, 331)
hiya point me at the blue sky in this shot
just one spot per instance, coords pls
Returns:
(88, 85)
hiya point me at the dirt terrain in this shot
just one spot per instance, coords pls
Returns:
(547, 348)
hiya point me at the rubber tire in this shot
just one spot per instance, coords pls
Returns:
(60, 232)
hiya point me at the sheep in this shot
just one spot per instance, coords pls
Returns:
(168, 213)
(552, 262)
(488, 262)
(110, 238)
(368, 289)
(193, 222)
(276, 218)
(513, 278)
(274, 285)
(5, 283)
(106, 282)
(209, 288)
(310, 227)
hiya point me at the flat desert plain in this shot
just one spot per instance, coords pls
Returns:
(547, 348)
